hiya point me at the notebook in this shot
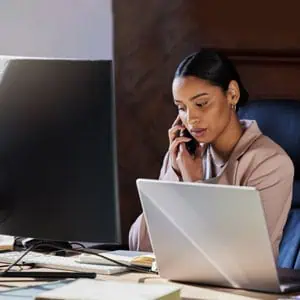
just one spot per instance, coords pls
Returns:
(143, 259)
(91, 289)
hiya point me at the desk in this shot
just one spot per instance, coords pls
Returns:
(188, 292)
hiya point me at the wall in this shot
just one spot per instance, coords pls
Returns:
(58, 28)
(76, 29)
(151, 37)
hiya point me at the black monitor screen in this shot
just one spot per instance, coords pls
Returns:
(57, 150)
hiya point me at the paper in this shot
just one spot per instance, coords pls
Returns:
(6, 242)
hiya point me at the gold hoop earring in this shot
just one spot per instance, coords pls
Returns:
(233, 106)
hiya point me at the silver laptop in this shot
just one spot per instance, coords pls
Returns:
(212, 234)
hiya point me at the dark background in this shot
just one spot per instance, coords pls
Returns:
(152, 37)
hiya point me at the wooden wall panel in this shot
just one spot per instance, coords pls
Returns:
(151, 37)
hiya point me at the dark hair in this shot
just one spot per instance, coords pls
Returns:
(214, 67)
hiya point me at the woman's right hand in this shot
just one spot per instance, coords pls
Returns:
(174, 141)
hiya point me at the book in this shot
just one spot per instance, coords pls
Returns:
(91, 289)
(135, 258)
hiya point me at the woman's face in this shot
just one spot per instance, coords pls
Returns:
(205, 110)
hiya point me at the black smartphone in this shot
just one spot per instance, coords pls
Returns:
(192, 145)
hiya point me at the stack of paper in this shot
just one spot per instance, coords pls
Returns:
(90, 289)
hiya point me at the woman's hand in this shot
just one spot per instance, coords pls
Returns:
(190, 166)
(187, 166)
(174, 141)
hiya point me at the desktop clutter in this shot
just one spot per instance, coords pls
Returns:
(72, 288)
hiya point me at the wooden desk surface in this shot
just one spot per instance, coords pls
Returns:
(188, 292)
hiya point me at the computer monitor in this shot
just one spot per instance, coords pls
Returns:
(58, 177)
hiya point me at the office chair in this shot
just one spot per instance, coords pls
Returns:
(280, 120)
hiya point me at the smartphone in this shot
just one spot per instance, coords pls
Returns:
(192, 145)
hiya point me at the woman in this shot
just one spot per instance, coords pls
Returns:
(208, 143)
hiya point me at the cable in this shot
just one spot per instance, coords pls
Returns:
(56, 252)
(19, 259)
(131, 268)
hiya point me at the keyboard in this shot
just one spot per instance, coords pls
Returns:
(59, 262)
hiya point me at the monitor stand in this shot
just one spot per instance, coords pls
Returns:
(52, 246)
(25, 243)
(108, 246)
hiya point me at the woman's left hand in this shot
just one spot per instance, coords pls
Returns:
(190, 166)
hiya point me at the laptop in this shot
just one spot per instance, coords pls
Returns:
(213, 235)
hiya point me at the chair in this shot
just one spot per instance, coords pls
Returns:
(280, 120)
